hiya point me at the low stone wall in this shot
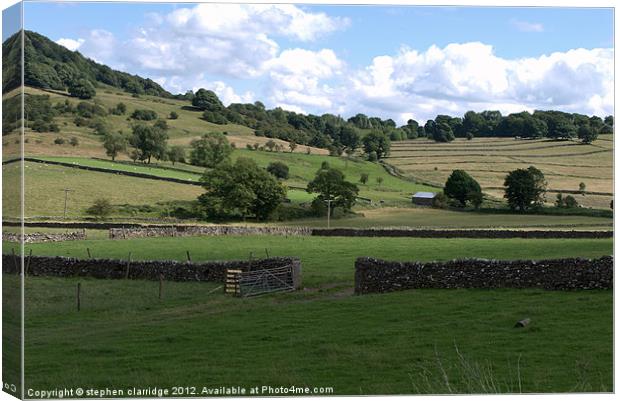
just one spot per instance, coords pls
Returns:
(143, 269)
(434, 233)
(44, 237)
(186, 231)
(375, 275)
(183, 231)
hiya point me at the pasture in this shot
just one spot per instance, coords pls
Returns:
(378, 344)
(565, 163)
(324, 259)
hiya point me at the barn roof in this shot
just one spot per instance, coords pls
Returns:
(427, 195)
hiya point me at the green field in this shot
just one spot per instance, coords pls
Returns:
(565, 163)
(45, 186)
(323, 335)
(422, 217)
(325, 259)
(141, 168)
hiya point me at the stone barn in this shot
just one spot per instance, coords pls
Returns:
(423, 198)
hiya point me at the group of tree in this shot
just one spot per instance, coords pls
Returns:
(540, 124)
(49, 65)
(524, 190)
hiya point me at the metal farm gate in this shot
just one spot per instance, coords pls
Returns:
(257, 282)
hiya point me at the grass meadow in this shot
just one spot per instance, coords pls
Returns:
(417, 341)
(565, 164)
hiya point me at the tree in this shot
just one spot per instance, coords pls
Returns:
(144, 115)
(582, 188)
(101, 208)
(330, 184)
(173, 115)
(364, 178)
(587, 134)
(242, 189)
(148, 142)
(443, 132)
(463, 188)
(379, 180)
(82, 89)
(175, 154)
(525, 188)
(609, 120)
(207, 100)
(278, 170)
(74, 141)
(114, 144)
(210, 150)
(350, 138)
(378, 143)
(270, 144)
(440, 201)
(292, 146)
(570, 202)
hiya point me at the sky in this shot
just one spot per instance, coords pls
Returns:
(396, 62)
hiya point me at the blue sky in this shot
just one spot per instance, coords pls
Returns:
(398, 62)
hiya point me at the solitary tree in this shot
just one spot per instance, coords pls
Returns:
(173, 115)
(292, 146)
(582, 188)
(270, 144)
(114, 143)
(148, 141)
(364, 178)
(525, 188)
(242, 189)
(330, 185)
(210, 150)
(100, 209)
(462, 187)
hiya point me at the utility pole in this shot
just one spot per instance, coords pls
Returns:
(64, 214)
(329, 207)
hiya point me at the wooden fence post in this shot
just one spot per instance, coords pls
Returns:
(79, 290)
(88, 252)
(15, 261)
(28, 263)
(267, 252)
(189, 258)
(127, 269)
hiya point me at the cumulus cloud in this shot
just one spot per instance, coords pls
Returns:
(216, 46)
(465, 76)
(71, 44)
(231, 40)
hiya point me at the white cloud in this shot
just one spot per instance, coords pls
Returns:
(296, 79)
(70, 44)
(216, 45)
(469, 76)
(525, 26)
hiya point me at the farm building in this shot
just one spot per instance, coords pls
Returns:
(423, 198)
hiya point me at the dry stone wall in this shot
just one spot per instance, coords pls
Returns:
(186, 231)
(44, 237)
(143, 269)
(375, 275)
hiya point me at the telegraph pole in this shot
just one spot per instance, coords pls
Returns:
(329, 206)
(64, 214)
